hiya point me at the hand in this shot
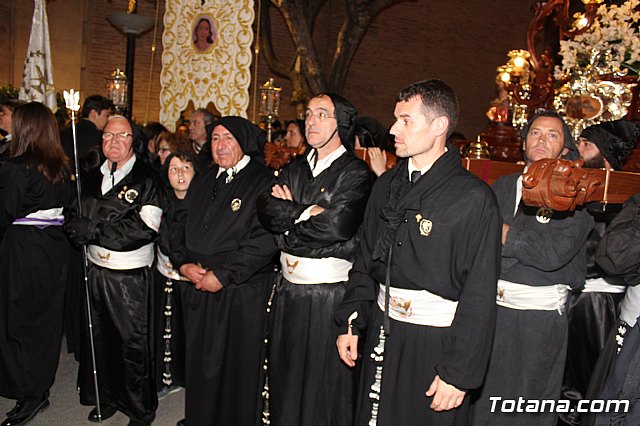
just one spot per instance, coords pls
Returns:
(193, 272)
(505, 231)
(81, 230)
(445, 396)
(209, 283)
(316, 210)
(348, 348)
(378, 160)
(281, 192)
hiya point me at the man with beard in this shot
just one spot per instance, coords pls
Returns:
(593, 309)
(424, 281)
(121, 206)
(543, 256)
(227, 255)
(315, 211)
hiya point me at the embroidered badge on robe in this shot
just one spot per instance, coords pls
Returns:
(543, 215)
(425, 227)
(131, 195)
(236, 203)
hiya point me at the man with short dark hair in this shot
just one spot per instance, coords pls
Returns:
(95, 112)
(543, 257)
(423, 284)
(121, 202)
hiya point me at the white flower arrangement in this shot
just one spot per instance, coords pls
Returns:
(615, 33)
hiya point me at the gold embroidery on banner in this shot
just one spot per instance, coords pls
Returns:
(221, 74)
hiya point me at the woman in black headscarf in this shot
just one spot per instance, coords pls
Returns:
(178, 171)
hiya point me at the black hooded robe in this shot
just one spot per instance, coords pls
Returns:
(223, 330)
(121, 298)
(308, 383)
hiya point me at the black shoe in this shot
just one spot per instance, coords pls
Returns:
(26, 410)
(107, 411)
(16, 408)
(180, 423)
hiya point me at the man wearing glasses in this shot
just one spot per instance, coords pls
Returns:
(121, 215)
(314, 210)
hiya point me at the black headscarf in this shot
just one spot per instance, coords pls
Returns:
(346, 115)
(250, 137)
(569, 143)
(615, 140)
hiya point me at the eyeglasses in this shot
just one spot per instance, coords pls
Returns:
(321, 115)
(120, 137)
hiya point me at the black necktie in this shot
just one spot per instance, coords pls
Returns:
(415, 175)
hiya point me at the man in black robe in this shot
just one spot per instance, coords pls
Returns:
(228, 257)
(121, 203)
(543, 256)
(95, 112)
(619, 365)
(423, 285)
(592, 310)
(315, 211)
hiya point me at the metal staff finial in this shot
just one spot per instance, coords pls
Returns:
(71, 99)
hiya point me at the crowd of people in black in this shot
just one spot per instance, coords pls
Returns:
(289, 282)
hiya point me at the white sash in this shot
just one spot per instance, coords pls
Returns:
(603, 285)
(121, 260)
(527, 297)
(165, 267)
(305, 270)
(418, 307)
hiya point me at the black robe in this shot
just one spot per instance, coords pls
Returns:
(121, 300)
(168, 322)
(617, 373)
(32, 281)
(458, 261)
(308, 384)
(530, 346)
(223, 330)
(591, 315)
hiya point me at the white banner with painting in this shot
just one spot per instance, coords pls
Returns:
(206, 57)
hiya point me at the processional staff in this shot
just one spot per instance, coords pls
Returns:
(72, 99)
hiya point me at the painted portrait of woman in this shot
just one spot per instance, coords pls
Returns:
(204, 34)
